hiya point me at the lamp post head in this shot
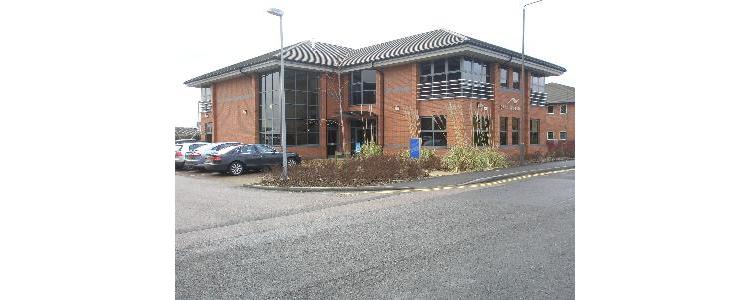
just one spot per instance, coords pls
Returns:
(530, 3)
(275, 12)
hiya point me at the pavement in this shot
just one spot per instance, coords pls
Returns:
(511, 240)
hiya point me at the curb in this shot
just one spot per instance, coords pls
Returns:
(390, 189)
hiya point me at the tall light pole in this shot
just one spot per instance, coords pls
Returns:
(280, 14)
(524, 111)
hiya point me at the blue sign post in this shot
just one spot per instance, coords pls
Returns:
(414, 144)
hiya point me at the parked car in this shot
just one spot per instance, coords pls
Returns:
(181, 150)
(195, 159)
(183, 141)
(236, 159)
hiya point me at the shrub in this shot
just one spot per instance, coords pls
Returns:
(370, 149)
(471, 158)
(350, 172)
(428, 158)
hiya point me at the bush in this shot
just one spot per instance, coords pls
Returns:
(428, 159)
(370, 149)
(350, 172)
(471, 158)
(561, 149)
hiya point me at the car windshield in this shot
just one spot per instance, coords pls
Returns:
(227, 149)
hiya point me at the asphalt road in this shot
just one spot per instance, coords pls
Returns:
(514, 240)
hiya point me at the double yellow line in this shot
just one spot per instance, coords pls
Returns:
(463, 186)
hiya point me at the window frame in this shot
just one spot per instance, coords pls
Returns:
(361, 84)
(566, 135)
(503, 124)
(473, 79)
(566, 109)
(516, 79)
(534, 134)
(479, 129)
(302, 107)
(515, 125)
(552, 108)
(553, 135)
(504, 78)
(433, 131)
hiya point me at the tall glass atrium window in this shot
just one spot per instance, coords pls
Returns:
(538, 96)
(302, 113)
(363, 87)
(453, 78)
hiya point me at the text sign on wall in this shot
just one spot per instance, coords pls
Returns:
(397, 89)
(512, 105)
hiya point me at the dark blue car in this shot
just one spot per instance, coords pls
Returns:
(236, 159)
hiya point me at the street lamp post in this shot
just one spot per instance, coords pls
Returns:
(524, 111)
(280, 14)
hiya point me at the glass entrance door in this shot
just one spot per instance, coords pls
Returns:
(332, 138)
(362, 131)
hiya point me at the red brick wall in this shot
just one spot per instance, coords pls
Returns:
(236, 110)
(396, 89)
(559, 122)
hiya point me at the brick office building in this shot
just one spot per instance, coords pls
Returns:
(442, 86)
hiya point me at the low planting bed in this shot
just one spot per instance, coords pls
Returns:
(372, 167)
(363, 171)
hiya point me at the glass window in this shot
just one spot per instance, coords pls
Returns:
(503, 77)
(481, 126)
(301, 97)
(425, 68)
(455, 77)
(433, 131)
(564, 109)
(550, 135)
(503, 130)
(363, 87)
(537, 84)
(534, 132)
(550, 109)
(454, 65)
(515, 130)
(516, 80)
(563, 135)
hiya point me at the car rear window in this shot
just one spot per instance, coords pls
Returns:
(227, 149)
(204, 147)
(195, 146)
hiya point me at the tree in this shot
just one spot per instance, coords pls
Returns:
(337, 92)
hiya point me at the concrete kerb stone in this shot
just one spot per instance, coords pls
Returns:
(393, 189)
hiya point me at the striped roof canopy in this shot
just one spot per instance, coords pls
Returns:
(332, 57)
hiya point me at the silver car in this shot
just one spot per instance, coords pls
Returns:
(196, 158)
(181, 150)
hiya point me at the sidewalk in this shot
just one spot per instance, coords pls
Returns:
(475, 177)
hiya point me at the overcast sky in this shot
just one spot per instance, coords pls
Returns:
(219, 33)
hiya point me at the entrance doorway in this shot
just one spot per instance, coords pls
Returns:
(332, 138)
(363, 130)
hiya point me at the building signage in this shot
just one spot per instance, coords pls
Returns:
(398, 89)
(512, 105)
(414, 147)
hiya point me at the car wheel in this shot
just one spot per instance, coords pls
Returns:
(236, 168)
(291, 162)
